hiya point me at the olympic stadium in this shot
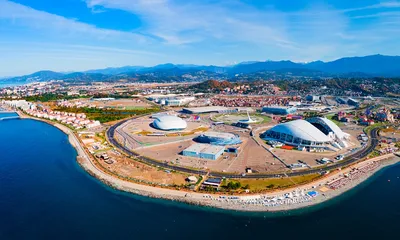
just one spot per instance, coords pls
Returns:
(218, 138)
(169, 123)
(330, 129)
(314, 133)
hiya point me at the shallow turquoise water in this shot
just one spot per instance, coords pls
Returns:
(44, 194)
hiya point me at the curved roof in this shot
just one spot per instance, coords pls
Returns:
(219, 135)
(333, 127)
(168, 122)
(219, 138)
(301, 129)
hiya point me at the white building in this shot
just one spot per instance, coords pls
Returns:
(314, 133)
(168, 123)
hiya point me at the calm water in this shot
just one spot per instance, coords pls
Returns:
(45, 195)
(7, 114)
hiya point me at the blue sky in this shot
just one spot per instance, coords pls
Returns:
(75, 35)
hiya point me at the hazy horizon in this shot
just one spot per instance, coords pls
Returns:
(78, 35)
(149, 66)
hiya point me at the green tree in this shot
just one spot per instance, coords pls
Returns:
(234, 185)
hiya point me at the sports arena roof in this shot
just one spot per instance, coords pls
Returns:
(301, 129)
(220, 135)
(168, 122)
(330, 125)
(219, 138)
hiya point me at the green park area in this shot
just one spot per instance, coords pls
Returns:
(109, 115)
(376, 125)
(266, 184)
(47, 97)
(233, 118)
(334, 119)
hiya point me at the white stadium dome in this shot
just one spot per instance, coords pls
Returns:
(299, 129)
(315, 132)
(168, 123)
(330, 128)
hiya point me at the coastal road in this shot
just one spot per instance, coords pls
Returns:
(344, 163)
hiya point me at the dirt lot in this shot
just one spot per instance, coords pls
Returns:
(390, 133)
(130, 168)
(171, 153)
(250, 155)
(256, 157)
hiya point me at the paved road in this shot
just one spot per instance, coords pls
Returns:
(110, 135)
(345, 162)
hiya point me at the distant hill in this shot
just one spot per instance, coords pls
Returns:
(263, 66)
(90, 77)
(118, 70)
(36, 77)
(359, 67)
(212, 85)
(376, 65)
(44, 76)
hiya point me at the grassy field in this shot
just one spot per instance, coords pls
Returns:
(330, 117)
(135, 108)
(108, 115)
(232, 118)
(266, 119)
(375, 153)
(257, 185)
(376, 125)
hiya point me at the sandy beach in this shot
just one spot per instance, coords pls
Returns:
(282, 200)
(232, 202)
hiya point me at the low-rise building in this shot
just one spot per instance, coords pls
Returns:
(205, 151)
(279, 110)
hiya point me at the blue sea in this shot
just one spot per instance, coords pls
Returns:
(7, 114)
(44, 194)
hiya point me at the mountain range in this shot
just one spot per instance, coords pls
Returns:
(368, 66)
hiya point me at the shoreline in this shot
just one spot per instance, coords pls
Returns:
(220, 201)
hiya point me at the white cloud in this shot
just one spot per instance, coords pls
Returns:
(19, 15)
(307, 33)
(179, 22)
(381, 5)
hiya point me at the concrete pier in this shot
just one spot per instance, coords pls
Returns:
(17, 116)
